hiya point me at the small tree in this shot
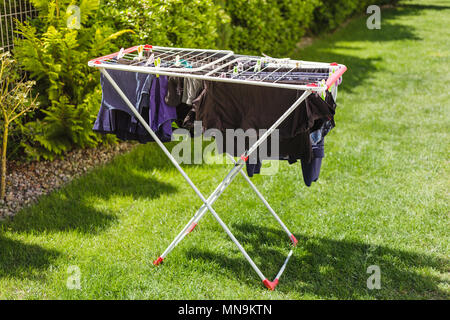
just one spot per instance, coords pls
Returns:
(15, 101)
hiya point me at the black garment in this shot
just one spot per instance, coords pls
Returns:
(182, 111)
(185, 112)
(237, 106)
(311, 170)
(174, 91)
(253, 168)
(185, 117)
(125, 130)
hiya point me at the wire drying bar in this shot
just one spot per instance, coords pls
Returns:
(221, 65)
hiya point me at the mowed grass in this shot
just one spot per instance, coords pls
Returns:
(382, 198)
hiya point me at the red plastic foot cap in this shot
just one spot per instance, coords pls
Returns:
(270, 284)
(294, 240)
(158, 261)
(192, 227)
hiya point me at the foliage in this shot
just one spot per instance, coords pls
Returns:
(248, 27)
(268, 26)
(15, 101)
(56, 57)
(183, 23)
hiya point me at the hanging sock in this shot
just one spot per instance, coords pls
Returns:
(253, 168)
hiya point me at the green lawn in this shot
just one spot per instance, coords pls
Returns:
(382, 198)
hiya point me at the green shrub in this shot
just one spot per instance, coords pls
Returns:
(56, 57)
(255, 26)
(269, 26)
(182, 23)
(16, 101)
(245, 26)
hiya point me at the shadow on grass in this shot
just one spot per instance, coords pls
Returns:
(389, 31)
(416, 8)
(331, 268)
(359, 69)
(19, 259)
(74, 206)
(150, 157)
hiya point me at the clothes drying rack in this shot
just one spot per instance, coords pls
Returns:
(223, 66)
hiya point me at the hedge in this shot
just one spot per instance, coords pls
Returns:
(268, 26)
(68, 107)
(274, 27)
(181, 23)
(245, 26)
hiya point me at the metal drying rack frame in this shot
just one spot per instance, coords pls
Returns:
(222, 66)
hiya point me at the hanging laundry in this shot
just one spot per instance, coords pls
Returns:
(311, 169)
(174, 91)
(191, 90)
(253, 168)
(235, 106)
(180, 93)
(146, 93)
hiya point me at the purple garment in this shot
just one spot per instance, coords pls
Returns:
(146, 92)
(161, 114)
(132, 84)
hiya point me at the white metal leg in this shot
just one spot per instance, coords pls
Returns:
(186, 177)
(207, 203)
(260, 196)
(193, 222)
(238, 166)
(212, 198)
(227, 180)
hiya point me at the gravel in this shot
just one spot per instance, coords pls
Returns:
(26, 182)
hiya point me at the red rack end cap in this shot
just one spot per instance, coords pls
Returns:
(270, 284)
(294, 240)
(158, 261)
(245, 158)
(334, 64)
(312, 85)
(97, 62)
(148, 46)
(192, 227)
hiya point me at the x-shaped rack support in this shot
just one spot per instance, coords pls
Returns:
(207, 203)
